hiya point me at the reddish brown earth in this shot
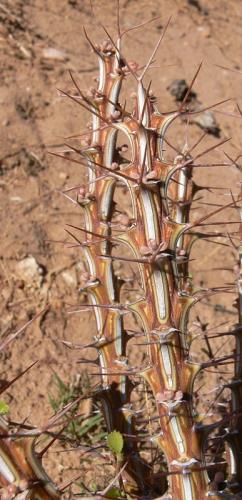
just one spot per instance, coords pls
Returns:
(36, 273)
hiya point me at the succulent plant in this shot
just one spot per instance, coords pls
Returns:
(137, 212)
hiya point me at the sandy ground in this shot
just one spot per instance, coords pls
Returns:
(39, 42)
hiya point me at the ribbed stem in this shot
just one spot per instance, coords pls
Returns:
(161, 195)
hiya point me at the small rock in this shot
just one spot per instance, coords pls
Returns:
(205, 31)
(63, 175)
(54, 54)
(16, 199)
(30, 271)
(207, 121)
(69, 278)
(179, 88)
